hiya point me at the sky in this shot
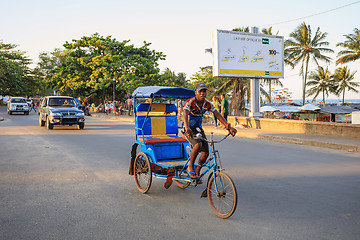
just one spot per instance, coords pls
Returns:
(182, 30)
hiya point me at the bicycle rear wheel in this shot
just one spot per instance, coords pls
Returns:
(142, 172)
(223, 197)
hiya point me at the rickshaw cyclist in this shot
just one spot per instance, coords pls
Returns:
(194, 109)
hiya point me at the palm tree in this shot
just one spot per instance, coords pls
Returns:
(353, 48)
(321, 81)
(343, 77)
(242, 29)
(303, 46)
(268, 31)
(169, 78)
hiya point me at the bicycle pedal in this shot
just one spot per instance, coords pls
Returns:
(194, 182)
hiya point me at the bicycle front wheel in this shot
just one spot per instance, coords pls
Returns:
(222, 194)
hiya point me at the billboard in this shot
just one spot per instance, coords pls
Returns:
(240, 54)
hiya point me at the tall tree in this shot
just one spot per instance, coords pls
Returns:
(344, 78)
(48, 62)
(352, 45)
(205, 75)
(321, 81)
(303, 46)
(92, 64)
(170, 78)
(16, 77)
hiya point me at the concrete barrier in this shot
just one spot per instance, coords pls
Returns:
(297, 126)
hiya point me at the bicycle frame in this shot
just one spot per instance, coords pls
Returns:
(212, 162)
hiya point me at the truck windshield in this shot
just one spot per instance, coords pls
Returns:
(65, 102)
(18, 100)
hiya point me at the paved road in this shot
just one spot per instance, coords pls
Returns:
(74, 184)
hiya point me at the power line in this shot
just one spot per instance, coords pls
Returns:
(316, 14)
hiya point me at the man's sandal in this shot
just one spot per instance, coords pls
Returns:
(192, 175)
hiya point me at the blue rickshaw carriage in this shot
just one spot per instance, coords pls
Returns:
(157, 135)
(160, 151)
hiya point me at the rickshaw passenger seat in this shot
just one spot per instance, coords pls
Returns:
(160, 125)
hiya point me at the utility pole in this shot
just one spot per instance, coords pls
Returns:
(114, 81)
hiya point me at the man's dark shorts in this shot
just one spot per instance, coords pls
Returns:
(192, 141)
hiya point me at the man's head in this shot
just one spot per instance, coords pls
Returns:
(200, 91)
(222, 96)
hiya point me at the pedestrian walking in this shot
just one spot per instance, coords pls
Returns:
(32, 105)
(224, 106)
(107, 106)
(37, 105)
(216, 103)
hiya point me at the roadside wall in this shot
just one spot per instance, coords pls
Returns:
(298, 126)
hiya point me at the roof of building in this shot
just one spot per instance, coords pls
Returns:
(337, 109)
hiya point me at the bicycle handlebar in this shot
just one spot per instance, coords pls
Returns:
(198, 136)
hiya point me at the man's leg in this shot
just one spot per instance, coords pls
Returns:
(194, 152)
(215, 120)
(202, 160)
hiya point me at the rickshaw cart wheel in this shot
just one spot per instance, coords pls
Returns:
(143, 174)
(182, 184)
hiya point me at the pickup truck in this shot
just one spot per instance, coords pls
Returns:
(60, 110)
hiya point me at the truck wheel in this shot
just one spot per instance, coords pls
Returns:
(41, 122)
(81, 125)
(49, 125)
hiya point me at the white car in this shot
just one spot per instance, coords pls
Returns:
(17, 104)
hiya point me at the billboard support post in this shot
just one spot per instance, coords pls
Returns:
(255, 90)
(255, 98)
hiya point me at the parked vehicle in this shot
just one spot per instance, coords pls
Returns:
(60, 110)
(85, 108)
(17, 104)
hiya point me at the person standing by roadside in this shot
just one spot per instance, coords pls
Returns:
(180, 109)
(107, 106)
(129, 105)
(224, 106)
(32, 105)
(37, 104)
(216, 103)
